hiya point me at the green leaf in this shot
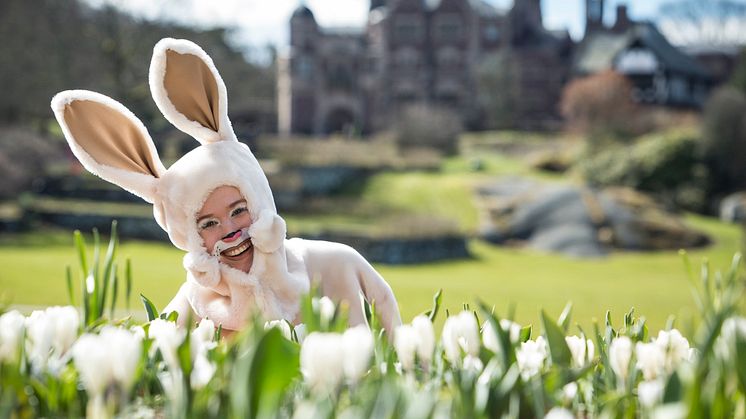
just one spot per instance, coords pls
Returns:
(80, 246)
(673, 390)
(437, 301)
(526, 333)
(184, 354)
(69, 279)
(740, 360)
(558, 348)
(149, 308)
(108, 264)
(173, 316)
(272, 366)
(114, 291)
(564, 318)
(128, 282)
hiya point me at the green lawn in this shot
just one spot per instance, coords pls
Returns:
(656, 284)
(32, 265)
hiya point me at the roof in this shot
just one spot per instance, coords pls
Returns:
(598, 50)
(303, 11)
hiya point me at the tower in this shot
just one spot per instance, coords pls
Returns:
(594, 15)
(374, 4)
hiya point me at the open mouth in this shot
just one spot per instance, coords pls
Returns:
(237, 250)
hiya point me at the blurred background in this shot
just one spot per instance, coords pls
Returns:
(526, 154)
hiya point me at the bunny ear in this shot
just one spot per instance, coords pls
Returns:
(188, 90)
(109, 141)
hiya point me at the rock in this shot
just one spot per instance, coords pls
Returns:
(579, 221)
(733, 208)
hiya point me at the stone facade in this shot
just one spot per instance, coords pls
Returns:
(414, 51)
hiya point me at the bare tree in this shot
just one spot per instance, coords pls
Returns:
(703, 22)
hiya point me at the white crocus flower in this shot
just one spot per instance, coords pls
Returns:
(11, 335)
(733, 327)
(203, 335)
(109, 358)
(650, 360)
(201, 341)
(650, 392)
(559, 413)
(489, 335)
(405, 344)
(300, 332)
(202, 371)
(531, 357)
(461, 333)
(674, 346)
(423, 327)
(582, 350)
(321, 361)
(473, 364)
(66, 323)
(569, 391)
(620, 354)
(93, 362)
(125, 352)
(167, 337)
(357, 348)
(51, 333)
(282, 325)
(326, 309)
(415, 339)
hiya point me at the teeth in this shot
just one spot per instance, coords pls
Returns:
(235, 251)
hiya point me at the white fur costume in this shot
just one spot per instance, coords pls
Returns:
(113, 144)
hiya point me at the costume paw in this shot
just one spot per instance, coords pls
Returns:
(203, 267)
(268, 232)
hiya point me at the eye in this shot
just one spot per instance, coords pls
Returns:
(207, 224)
(239, 211)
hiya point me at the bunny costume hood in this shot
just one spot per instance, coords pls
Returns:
(113, 144)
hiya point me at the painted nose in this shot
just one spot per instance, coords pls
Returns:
(232, 236)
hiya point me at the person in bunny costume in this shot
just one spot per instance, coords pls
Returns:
(238, 259)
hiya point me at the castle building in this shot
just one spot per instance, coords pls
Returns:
(437, 53)
(416, 52)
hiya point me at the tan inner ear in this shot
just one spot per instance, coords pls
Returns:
(109, 137)
(192, 88)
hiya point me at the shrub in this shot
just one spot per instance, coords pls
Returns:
(666, 164)
(600, 106)
(24, 157)
(426, 126)
(724, 133)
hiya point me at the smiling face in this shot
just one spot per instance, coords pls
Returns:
(220, 222)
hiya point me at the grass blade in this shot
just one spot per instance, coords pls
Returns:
(114, 291)
(80, 246)
(149, 308)
(69, 278)
(108, 262)
(128, 282)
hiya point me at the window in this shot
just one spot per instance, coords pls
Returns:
(304, 67)
(636, 61)
(448, 28)
(491, 33)
(409, 28)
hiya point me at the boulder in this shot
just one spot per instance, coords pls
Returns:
(733, 208)
(579, 221)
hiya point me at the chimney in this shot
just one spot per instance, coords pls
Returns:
(622, 19)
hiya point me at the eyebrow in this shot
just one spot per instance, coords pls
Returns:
(232, 204)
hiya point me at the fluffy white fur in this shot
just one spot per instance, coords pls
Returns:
(157, 72)
(282, 269)
(139, 184)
